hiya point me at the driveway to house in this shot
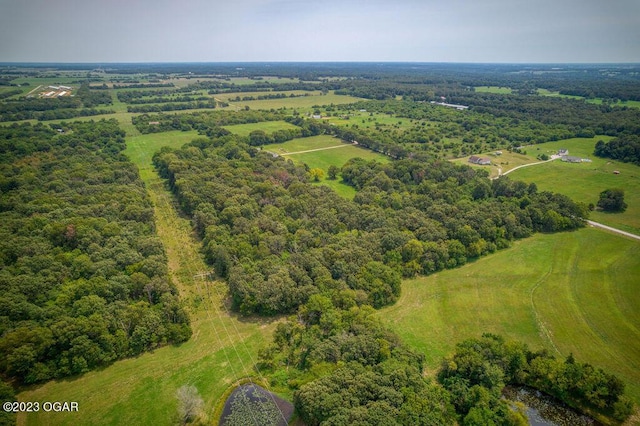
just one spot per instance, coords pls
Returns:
(553, 157)
(617, 231)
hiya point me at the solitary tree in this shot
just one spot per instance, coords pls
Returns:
(333, 172)
(189, 403)
(612, 200)
(316, 174)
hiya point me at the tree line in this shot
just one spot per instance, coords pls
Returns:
(624, 148)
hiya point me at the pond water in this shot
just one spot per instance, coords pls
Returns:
(250, 404)
(543, 410)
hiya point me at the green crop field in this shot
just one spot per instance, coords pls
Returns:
(584, 181)
(266, 126)
(568, 293)
(222, 349)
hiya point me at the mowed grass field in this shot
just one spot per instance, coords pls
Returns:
(302, 103)
(223, 348)
(494, 89)
(321, 152)
(584, 182)
(265, 126)
(568, 293)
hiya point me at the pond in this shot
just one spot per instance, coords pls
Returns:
(250, 404)
(544, 410)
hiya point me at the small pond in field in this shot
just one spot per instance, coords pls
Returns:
(250, 404)
(543, 410)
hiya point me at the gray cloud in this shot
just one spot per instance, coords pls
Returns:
(343, 30)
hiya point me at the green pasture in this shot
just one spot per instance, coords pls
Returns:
(568, 293)
(545, 92)
(503, 162)
(366, 120)
(595, 101)
(326, 151)
(583, 182)
(245, 81)
(140, 148)
(265, 126)
(336, 157)
(223, 347)
(303, 144)
(494, 89)
(229, 97)
(322, 151)
(300, 103)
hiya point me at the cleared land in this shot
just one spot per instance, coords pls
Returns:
(584, 181)
(595, 101)
(569, 293)
(265, 126)
(300, 103)
(322, 157)
(494, 89)
(222, 349)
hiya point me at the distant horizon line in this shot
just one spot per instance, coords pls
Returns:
(303, 62)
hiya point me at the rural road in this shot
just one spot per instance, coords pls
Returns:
(617, 231)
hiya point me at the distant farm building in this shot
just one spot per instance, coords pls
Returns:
(458, 107)
(56, 91)
(563, 151)
(479, 160)
(573, 159)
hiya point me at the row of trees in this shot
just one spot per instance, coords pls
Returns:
(205, 122)
(83, 277)
(174, 106)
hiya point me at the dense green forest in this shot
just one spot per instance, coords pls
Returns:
(279, 239)
(83, 275)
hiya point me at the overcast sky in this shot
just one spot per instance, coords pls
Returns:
(321, 30)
